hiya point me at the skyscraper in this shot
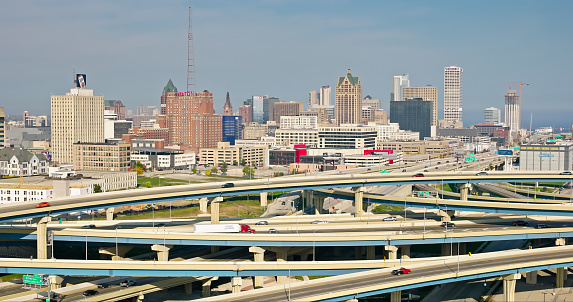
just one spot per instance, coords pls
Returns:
(168, 88)
(427, 93)
(399, 82)
(413, 114)
(512, 110)
(313, 98)
(263, 108)
(325, 95)
(287, 109)
(228, 108)
(453, 93)
(348, 100)
(76, 117)
(491, 115)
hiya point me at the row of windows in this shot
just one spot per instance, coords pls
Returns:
(17, 192)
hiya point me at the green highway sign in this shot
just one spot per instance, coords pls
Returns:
(36, 279)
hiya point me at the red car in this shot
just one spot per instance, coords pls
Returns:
(401, 271)
(43, 204)
(418, 175)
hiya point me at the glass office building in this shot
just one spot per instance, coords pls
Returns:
(232, 128)
(413, 114)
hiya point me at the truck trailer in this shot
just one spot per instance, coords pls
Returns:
(223, 228)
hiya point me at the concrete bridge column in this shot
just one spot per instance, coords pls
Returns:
(392, 251)
(42, 237)
(259, 254)
(203, 204)
(371, 252)
(264, 197)
(139, 298)
(509, 287)
(531, 277)
(358, 252)
(405, 250)
(215, 208)
(336, 250)
(237, 283)
(446, 215)
(207, 286)
(55, 281)
(307, 202)
(188, 288)
(109, 213)
(162, 251)
(282, 256)
(561, 272)
(449, 249)
(396, 296)
(110, 250)
(358, 201)
(464, 191)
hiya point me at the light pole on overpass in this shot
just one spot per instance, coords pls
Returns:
(116, 249)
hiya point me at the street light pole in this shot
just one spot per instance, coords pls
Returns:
(116, 249)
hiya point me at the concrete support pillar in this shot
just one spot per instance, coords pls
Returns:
(336, 250)
(509, 287)
(203, 204)
(110, 250)
(207, 287)
(358, 201)
(259, 255)
(464, 191)
(396, 296)
(282, 256)
(237, 283)
(188, 288)
(560, 276)
(405, 250)
(139, 298)
(560, 241)
(392, 251)
(214, 249)
(42, 237)
(446, 215)
(264, 197)
(371, 252)
(55, 281)
(358, 252)
(531, 277)
(449, 249)
(319, 204)
(162, 251)
(215, 208)
(109, 213)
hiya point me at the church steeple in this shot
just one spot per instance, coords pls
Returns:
(228, 108)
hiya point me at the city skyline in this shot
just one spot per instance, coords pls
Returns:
(122, 49)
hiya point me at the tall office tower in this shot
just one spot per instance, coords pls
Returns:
(428, 93)
(325, 95)
(25, 114)
(287, 109)
(263, 108)
(512, 110)
(232, 128)
(413, 114)
(313, 98)
(398, 83)
(168, 88)
(76, 117)
(246, 113)
(491, 115)
(228, 108)
(2, 127)
(348, 100)
(453, 93)
(191, 120)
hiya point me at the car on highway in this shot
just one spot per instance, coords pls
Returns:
(401, 271)
(43, 204)
(520, 223)
(103, 285)
(262, 222)
(541, 226)
(565, 173)
(448, 224)
(418, 175)
(318, 221)
(447, 161)
(403, 170)
(273, 231)
(128, 283)
(369, 169)
(90, 292)
(482, 173)
(228, 185)
(425, 170)
(89, 226)
(439, 162)
(389, 218)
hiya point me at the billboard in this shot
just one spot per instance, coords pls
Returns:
(505, 152)
(81, 80)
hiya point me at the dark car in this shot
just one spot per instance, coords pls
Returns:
(90, 292)
(401, 271)
(89, 226)
(565, 173)
(482, 173)
(541, 226)
(262, 222)
(103, 285)
(448, 224)
(520, 223)
(228, 185)
(128, 283)
(403, 170)
(418, 175)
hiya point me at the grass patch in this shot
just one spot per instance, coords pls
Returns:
(165, 182)
(318, 277)
(11, 277)
(387, 208)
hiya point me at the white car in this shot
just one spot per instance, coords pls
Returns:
(318, 221)
(389, 218)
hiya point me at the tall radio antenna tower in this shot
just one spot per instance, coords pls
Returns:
(191, 85)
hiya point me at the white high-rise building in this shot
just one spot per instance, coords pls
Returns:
(313, 98)
(453, 93)
(491, 115)
(512, 110)
(325, 96)
(77, 116)
(398, 82)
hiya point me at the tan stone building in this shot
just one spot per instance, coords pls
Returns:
(348, 100)
(433, 148)
(287, 109)
(320, 113)
(102, 156)
(255, 130)
(77, 116)
(427, 93)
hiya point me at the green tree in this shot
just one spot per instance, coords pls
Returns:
(148, 184)
(139, 168)
(214, 170)
(223, 167)
(243, 162)
(248, 171)
(207, 172)
(194, 170)
(235, 163)
(97, 188)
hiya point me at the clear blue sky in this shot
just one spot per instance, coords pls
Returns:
(129, 50)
